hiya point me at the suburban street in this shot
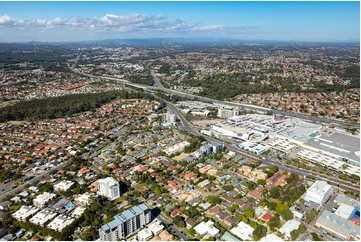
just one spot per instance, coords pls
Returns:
(36, 179)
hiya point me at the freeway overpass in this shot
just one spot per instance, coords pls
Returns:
(186, 127)
(239, 105)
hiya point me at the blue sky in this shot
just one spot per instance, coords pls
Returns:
(71, 21)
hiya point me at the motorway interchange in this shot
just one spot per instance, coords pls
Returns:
(188, 128)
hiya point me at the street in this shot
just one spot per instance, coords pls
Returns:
(333, 180)
(36, 179)
(158, 86)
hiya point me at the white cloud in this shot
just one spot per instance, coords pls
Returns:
(209, 27)
(4, 20)
(109, 23)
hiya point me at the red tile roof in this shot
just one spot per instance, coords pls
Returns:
(176, 212)
(266, 217)
(116, 170)
(355, 221)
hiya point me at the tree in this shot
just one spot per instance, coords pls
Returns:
(274, 192)
(287, 214)
(179, 221)
(6, 221)
(67, 105)
(192, 232)
(4, 174)
(275, 222)
(259, 232)
(157, 190)
(293, 177)
(280, 208)
(271, 170)
(272, 205)
(193, 212)
(342, 176)
(311, 215)
(228, 188)
(261, 182)
(220, 227)
(315, 237)
(263, 203)
(294, 234)
(245, 219)
(249, 213)
(251, 185)
(214, 200)
(302, 228)
(233, 208)
(253, 224)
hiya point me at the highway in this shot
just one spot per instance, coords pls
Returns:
(77, 58)
(186, 127)
(158, 86)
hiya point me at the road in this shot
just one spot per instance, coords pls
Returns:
(36, 179)
(186, 127)
(156, 82)
(267, 161)
(165, 221)
(77, 58)
(174, 229)
(240, 105)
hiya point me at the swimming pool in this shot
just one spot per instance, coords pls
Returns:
(357, 213)
(69, 206)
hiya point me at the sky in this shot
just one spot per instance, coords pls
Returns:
(77, 21)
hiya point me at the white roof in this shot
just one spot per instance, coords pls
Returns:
(345, 211)
(289, 226)
(271, 237)
(24, 212)
(206, 227)
(24, 194)
(297, 214)
(323, 159)
(15, 199)
(110, 181)
(44, 197)
(319, 188)
(60, 222)
(33, 188)
(203, 183)
(77, 212)
(205, 205)
(144, 234)
(156, 227)
(42, 217)
(243, 231)
(63, 185)
(351, 169)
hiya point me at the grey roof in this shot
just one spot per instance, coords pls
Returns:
(215, 143)
(6, 204)
(124, 216)
(189, 158)
(335, 223)
(347, 200)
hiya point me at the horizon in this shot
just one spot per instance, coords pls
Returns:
(190, 40)
(245, 21)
